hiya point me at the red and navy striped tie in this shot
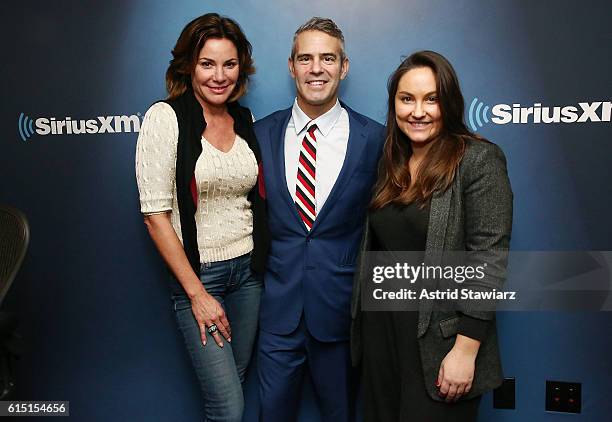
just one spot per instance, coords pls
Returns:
(305, 185)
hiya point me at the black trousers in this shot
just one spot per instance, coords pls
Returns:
(393, 382)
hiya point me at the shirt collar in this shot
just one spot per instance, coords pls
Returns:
(325, 122)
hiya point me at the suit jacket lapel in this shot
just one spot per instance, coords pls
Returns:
(356, 143)
(277, 144)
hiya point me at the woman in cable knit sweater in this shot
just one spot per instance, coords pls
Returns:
(202, 196)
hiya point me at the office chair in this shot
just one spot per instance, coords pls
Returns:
(14, 240)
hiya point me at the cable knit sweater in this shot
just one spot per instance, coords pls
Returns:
(224, 219)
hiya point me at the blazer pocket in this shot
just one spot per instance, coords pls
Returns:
(449, 326)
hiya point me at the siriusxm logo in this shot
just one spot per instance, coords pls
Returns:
(501, 114)
(52, 126)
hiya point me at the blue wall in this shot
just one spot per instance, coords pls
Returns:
(92, 291)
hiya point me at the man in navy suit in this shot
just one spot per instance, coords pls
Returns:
(320, 160)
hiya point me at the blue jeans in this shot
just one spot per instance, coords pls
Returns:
(221, 371)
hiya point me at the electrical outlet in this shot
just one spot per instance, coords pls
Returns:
(563, 396)
(504, 395)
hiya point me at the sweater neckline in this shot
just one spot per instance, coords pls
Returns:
(221, 152)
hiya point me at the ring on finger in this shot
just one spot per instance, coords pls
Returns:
(212, 329)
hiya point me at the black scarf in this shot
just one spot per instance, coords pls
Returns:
(191, 125)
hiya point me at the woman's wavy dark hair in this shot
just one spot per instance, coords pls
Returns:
(437, 170)
(190, 42)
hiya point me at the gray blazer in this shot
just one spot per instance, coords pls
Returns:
(474, 214)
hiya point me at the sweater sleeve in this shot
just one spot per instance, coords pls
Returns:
(156, 159)
(473, 327)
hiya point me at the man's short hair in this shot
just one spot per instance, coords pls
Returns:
(325, 25)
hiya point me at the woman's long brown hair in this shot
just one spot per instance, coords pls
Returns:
(437, 170)
(190, 42)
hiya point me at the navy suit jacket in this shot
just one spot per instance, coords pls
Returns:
(311, 273)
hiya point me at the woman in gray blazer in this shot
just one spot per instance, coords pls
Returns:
(440, 188)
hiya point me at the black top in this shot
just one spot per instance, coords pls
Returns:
(400, 227)
(404, 228)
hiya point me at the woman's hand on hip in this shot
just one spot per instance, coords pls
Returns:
(208, 312)
(457, 369)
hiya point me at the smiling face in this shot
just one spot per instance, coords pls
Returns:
(417, 110)
(216, 72)
(317, 67)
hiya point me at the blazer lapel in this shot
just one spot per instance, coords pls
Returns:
(438, 221)
(277, 144)
(356, 143)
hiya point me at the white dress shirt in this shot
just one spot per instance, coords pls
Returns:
(332, 135)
